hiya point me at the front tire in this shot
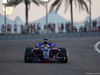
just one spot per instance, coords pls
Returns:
(64, 54)
(28, 54)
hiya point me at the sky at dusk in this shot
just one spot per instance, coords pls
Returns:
(36, 12)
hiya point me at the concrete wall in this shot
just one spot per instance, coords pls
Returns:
(41, 36)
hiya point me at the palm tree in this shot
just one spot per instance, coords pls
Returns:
(27, 4)
(81, 3)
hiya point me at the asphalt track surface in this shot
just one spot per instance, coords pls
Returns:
(83, 59)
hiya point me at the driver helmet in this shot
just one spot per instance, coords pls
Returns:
(45, 42)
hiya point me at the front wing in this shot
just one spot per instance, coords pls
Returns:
(33, 59)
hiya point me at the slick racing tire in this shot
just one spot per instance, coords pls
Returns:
(28, 53)
(64, 54)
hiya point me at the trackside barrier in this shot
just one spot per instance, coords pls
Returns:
(53, 35)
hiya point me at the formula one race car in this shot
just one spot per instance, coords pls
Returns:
(46, 51)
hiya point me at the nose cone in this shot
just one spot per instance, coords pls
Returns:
(46, 54)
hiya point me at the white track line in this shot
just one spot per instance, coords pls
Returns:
(96, 47)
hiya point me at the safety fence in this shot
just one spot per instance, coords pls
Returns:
(52, 35)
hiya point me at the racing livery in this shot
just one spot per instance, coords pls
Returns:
(45, 51)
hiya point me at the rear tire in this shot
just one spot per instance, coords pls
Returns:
(64, 54)
(28, 53)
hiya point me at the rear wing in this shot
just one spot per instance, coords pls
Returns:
(45, 39)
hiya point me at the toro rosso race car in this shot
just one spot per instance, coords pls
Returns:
(45, 51)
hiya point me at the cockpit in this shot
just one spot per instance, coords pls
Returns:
(45, 45)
